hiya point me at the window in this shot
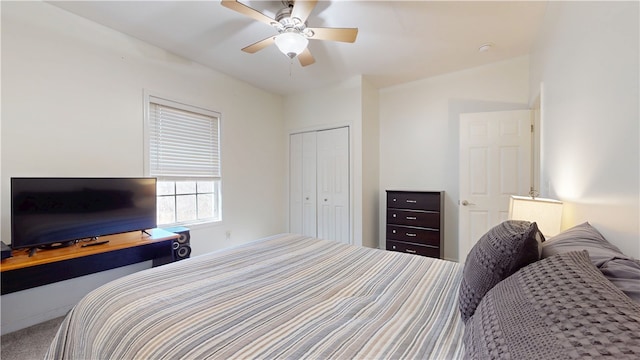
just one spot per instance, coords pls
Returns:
(183, 151)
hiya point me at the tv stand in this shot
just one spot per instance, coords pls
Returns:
(21, 271)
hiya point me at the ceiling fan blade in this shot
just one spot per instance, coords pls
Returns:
(257, 46)
(243, 9)
(335, 34)
(306, 58)
(302, 9)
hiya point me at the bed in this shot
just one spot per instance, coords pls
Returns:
(574, 296)
(285, 296)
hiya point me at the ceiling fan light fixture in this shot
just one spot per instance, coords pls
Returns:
(291, 43)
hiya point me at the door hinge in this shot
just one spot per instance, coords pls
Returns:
(531, 127)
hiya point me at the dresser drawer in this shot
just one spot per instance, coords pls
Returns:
(413, 249)
(430, 219)
(413, 200)
(414, 235)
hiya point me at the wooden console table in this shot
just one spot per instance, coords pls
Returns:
(22, 272)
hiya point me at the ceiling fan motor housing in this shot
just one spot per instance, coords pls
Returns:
(287, 23)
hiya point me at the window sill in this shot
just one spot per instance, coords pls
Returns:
(195, 225)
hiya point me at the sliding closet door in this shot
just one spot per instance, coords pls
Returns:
(302, 184)
(333, 184)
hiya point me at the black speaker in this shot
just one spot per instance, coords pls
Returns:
(181, 246)
(6, 251)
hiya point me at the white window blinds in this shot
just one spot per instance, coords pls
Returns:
(184, 141)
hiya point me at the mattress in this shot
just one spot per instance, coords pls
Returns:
(285, 296)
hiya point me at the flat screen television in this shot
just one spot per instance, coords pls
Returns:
(55, 211)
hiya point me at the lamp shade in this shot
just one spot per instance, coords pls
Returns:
(291, 43)
(547, 213)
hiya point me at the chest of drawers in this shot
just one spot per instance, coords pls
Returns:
(415, 222)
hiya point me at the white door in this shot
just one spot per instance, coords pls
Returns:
(333, 184)
(319, 184)
(495, 163)
(302, 184)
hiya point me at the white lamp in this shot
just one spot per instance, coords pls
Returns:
(291, 43)
(547, 213)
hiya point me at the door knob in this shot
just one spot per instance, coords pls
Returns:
(466, 203)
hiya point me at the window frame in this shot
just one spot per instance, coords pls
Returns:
(152, 98)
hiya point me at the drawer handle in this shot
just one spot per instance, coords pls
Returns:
(411, 234)
(411, 218)
(412, 201)
(410, 251)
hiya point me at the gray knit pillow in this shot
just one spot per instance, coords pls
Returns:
(560, 307)
(500, 252)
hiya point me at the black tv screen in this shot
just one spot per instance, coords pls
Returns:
(47, 211)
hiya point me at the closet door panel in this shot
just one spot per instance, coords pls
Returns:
(333, 184)
(309, 184)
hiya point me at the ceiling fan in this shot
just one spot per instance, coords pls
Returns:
(293, 34)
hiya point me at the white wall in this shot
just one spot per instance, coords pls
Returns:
(325, 108)
(419, 124)
(353, 103)
(72, 105)
(370, 161)
(332, 106)
(586, 57)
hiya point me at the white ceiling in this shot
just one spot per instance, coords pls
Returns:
(398, 41)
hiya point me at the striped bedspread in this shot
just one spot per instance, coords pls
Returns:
(285, 296)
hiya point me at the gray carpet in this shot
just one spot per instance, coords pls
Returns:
(30, 343)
